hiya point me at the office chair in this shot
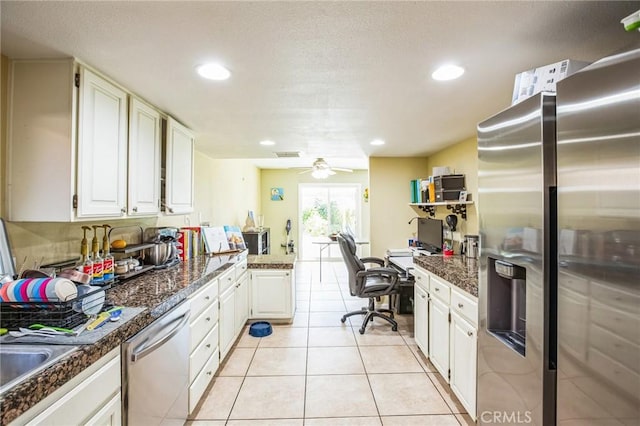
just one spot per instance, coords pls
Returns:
(371, 283)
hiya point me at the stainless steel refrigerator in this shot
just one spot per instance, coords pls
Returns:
(559, 280)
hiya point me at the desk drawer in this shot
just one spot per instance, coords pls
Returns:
(203, 297)
(203, 325)
(199, 356)
(465, 306)
(439, 289)
(421, 279)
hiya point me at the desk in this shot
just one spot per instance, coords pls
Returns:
(326, 243)
(402, 301)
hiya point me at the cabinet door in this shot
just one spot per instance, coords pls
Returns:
(102, 148)
(439, 336)
(109, 415)
(144, 159)
(421, 320)
(179, 169)
(226, 321)
(463, 362)
(271, 294)
(242, 302)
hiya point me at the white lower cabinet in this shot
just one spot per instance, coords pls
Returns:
(91, 398)
(463, 351)
(421, 318)
(241, 303)
(204, 348)
(227, 320)
(445, 330)
(439, 336)
(272, 294)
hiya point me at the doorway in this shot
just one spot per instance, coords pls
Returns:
(325, 209)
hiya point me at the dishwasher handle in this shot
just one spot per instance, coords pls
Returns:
(142, 351)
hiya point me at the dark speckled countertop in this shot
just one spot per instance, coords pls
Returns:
(458, 270)
(157, 291)
(271, 261)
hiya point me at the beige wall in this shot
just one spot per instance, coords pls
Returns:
(276, 213)
(390, 194)
(4, 72)
(461, 158)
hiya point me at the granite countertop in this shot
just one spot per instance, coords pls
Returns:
(156, 291)
(457, 270)
(271, 261)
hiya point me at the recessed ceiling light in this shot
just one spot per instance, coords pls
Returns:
(377, 142)
(213, 71)
(447, 72)
(267, 143)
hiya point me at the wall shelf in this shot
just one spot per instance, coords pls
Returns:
(458, 207)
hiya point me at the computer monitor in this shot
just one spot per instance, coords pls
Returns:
(430, 234)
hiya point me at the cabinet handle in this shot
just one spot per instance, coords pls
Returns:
(207, 298)
(286, 274)
(209, 373)
(437, 289)
(208, 345)
(169, 209)
(469, 333)
(208, 318)
(460, 305)
(423, 296)
(135, 209)
(123, 210)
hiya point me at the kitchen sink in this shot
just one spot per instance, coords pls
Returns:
(19, 362)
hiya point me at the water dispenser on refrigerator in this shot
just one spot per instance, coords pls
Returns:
(507, 300)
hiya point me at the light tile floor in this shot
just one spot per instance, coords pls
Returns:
(319, 371)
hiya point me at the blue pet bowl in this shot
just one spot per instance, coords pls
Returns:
(260, 329)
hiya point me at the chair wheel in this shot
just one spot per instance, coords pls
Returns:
(394, 328)
(361, 330)
(343, 319)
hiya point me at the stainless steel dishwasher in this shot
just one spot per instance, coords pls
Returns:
(156, 371)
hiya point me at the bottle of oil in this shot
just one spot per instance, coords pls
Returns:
(108, 261)
(87, 263)
(98, 264)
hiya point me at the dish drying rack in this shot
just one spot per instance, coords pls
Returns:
(132, 248)
(14, 315)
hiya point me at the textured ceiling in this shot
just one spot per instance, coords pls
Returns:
(324, 78)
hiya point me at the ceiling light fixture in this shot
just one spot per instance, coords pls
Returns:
(267, 143)
(377, 142)
(321, 173)
(447, 72)
(213, 71)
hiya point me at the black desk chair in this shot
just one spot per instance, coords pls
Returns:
(369, 283)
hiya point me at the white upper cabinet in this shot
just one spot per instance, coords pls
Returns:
(78, 151)
(102, 148)
(179, 165)
(41, 154)
(144, 159)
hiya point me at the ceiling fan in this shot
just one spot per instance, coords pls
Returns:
(321, 169)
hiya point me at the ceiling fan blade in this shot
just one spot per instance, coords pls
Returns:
(305, 171)
(342, 170)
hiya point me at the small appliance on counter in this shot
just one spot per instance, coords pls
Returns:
(164, 250)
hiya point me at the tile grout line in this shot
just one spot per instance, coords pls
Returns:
(243, 380)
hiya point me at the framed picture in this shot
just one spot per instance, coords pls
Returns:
(277, 194)
(463, 196)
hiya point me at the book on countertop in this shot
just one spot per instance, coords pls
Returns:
(215, 239)
(234, 237)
